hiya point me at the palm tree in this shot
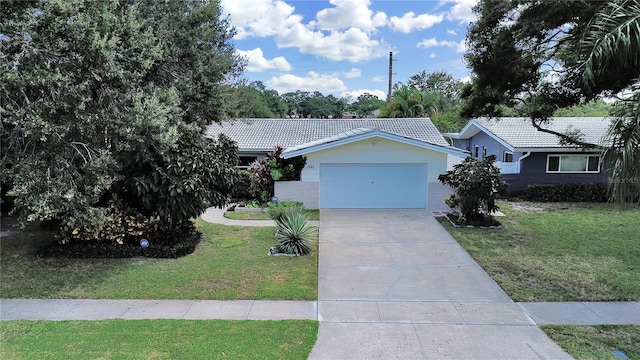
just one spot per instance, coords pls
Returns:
(409, 102)
(611, 44)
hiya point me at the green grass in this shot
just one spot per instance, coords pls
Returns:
(230, 263)
(596, 342)
(314, 214)
(157, 339)
(569, 252)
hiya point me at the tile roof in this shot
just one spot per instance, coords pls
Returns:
(264, 134)
(519, 132)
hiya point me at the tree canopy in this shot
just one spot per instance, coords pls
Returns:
(110, 99)
(547, 55)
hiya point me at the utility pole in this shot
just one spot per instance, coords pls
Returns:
(390, 75)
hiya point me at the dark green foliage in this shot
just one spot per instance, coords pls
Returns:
(366, 104)
(241, 190)
(566, 193)
(177, 243)
(180, 185)
(477, 184)
(295, 233)
(111, 98)
(254, 101)
(315, 105)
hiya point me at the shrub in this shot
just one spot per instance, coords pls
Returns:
(241, 190)
(566, 193)
(120, 223)
(295, 233)
(274, 168)
(278, 210)
(476, 184)
(173, 244)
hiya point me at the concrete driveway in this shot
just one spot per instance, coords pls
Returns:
(393, 284)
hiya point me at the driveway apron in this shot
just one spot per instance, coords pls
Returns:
(394, 284)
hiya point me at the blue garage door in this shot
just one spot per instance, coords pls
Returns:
(383, 186)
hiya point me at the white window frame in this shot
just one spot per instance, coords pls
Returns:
(476, 151)
(484, 152)
(504, 157)
(559, 156)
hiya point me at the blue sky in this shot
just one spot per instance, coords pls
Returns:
(341, 47)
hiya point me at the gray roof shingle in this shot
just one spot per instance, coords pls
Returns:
(264, 134)
(519, 132)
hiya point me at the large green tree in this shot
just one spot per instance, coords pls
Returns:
(365, 105)
(546, 55)
(110, 99)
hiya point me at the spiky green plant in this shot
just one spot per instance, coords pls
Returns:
(295, 233)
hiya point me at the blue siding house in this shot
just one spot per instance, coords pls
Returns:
(528, 156)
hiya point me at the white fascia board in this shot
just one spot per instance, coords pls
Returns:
(377, 133)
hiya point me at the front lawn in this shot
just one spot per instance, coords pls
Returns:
(230, 263)
(566, 252)
(596, 342)
(157, 339)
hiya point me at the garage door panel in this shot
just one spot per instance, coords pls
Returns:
(373, 185)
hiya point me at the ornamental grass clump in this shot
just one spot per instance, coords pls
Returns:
(295, 233)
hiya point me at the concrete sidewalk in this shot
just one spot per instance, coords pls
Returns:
(470, 313)
(216, 216)
(82, 309)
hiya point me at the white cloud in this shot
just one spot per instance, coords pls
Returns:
(462, 11)
(353, 95)
(410, 21)
(452, 32)
(353, 45)
(432, 55)
(256, 62)
(353, 73)
(323, 38)
(350, 13)
(311, 82)
(260, 18)
(466, 79)
(457, 46)
(377, 79)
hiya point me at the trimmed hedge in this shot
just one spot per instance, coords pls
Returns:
(94, 249)
(566, 193)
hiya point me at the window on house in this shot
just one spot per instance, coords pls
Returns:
(573, 163)
(484, 152)
(508, 157)
(245, 161)
(476, 151)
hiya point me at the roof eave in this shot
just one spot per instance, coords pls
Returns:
(377, 133)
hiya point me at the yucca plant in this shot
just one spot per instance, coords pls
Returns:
(295, 233)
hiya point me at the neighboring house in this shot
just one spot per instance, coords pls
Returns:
(528, 156)
(352, 163)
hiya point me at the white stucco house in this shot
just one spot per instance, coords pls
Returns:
(353, 163)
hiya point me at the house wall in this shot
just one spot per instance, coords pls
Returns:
(375, 150)
(305, 191)
(534, 171)
(482, 139)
